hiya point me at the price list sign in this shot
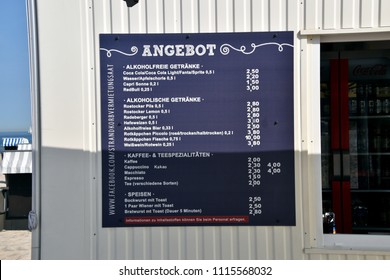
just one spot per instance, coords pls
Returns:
(197, 129)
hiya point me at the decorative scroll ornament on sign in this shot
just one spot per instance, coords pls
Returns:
(134, 51)
(225, 48)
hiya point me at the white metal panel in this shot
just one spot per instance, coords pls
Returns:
(242, 15)
(329, 7)
(225, 16)
(190, 16)
(35, 114)
(312, 14)
(137, 18)
(207, 14)
(384, 8)
(260, 15)
(367, 13)
(120, 24)
(62, 118)
(154, 16)
(172, 16)
(294, 15)
(278, 15)
(350, 10)
(324, 16)
(200, 242)
(88, 89)
(72, 196)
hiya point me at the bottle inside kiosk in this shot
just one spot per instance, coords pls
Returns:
(355, 137)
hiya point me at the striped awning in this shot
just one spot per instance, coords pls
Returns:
(18, 161)
(14, 141)
(24, 147)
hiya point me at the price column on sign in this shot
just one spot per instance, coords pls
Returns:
(254, 171)
(253, 124)
(255, 206)
(252, 80)
(274, 168)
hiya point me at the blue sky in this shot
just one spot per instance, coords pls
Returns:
(15, 108)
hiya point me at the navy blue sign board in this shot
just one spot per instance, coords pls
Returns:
(197, 129)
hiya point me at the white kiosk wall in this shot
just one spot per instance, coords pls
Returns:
(64, 44)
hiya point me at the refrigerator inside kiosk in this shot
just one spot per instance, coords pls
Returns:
(355, 135)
